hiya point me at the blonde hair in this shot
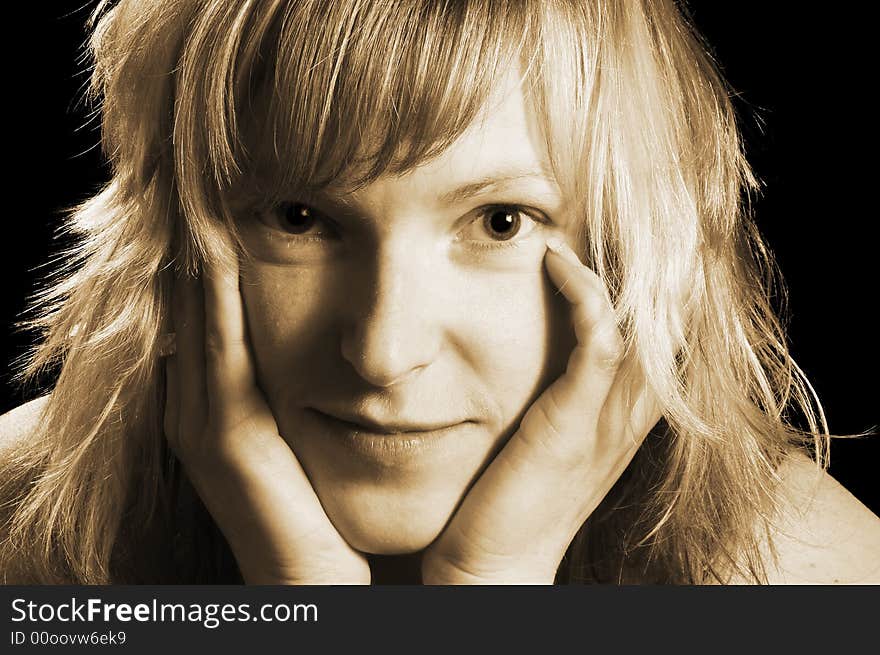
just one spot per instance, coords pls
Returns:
(203, 101)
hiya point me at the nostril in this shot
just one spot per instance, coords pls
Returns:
(385, 357)
(383, 369)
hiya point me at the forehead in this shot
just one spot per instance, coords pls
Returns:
(504, 142)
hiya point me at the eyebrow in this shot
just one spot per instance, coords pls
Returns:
(471, 189)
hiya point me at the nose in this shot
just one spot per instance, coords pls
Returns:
(391, 331)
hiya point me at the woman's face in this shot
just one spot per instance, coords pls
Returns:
(402, 330)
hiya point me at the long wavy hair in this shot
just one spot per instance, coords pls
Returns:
(203, 101)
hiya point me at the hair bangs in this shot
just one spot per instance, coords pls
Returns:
(354, 90)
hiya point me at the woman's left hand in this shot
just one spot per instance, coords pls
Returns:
(572, 445)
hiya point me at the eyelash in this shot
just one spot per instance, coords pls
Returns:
(480, 214)
(515, 242)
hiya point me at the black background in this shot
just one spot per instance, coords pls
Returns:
(802, 79)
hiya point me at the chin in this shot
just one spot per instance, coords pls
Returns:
(380, 521)
(387, 501)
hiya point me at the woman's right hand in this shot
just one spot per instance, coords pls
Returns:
(221, 428)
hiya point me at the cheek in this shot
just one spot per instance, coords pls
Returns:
(520, 340)
(287, 315)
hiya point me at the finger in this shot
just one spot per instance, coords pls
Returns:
(631, 409)
(595, 359)
(188, 320)
(230, 371)
(172, 401)
(630, 405)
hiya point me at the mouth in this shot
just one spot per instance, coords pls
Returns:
(391, 443)
(389, 428)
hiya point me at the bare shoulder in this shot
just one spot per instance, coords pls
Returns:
(822, 533)
(19, 424)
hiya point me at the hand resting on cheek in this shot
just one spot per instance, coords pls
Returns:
(218, 423)
(572, 445)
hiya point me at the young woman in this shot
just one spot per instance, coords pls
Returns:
(465, 291)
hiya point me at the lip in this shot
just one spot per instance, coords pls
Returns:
(390, 443)
(388, 428)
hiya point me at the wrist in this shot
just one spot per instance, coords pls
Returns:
(299, 578)
(443, 571)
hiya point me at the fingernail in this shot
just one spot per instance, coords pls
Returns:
(562, 249)
(556, 245)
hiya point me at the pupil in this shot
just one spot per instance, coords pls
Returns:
(298, 217)
(503, 223)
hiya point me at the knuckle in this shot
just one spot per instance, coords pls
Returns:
(592, 309)
(608, 348)
(220, 346)
(543, 428)
(214, 345)
(545, 424)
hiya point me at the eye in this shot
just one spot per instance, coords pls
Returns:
(297, 218)
(502, 223)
